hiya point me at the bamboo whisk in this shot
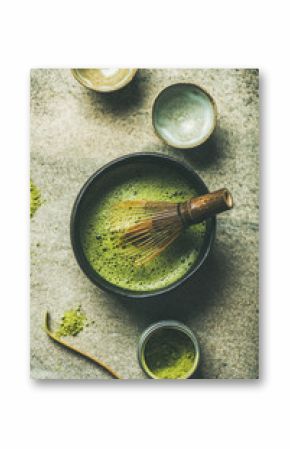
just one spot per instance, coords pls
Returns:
(149, 227)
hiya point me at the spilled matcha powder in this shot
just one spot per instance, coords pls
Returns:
(35, 200)
(72, 323)
(169, 354)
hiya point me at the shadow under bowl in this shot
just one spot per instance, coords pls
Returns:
(184, 115)
(100, 182)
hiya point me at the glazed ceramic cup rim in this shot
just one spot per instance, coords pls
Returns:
(206, 136)
(167, 324)
(77, 247)
(131, 73)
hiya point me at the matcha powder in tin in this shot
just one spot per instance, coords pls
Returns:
(169, 354)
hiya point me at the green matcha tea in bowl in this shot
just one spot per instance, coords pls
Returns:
(96, 214)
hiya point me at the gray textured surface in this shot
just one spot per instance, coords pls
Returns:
(75, 131)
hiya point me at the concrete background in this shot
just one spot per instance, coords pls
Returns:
(74, 131)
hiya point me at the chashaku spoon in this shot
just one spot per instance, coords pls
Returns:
(88, 356)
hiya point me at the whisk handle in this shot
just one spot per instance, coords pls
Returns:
(203, 207)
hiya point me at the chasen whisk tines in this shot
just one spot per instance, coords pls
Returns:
(144, 229)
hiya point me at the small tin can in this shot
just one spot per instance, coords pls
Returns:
(153, 331)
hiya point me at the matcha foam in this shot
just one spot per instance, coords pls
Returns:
(110, 262)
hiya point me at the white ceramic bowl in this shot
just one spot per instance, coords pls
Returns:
(184, 115)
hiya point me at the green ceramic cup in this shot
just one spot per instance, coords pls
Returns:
(184, 115)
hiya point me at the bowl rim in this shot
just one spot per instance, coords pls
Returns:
(132, 72)
(167, 324)
(209, 133)
(83, 263)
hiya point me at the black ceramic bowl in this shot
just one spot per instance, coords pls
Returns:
(103, 178)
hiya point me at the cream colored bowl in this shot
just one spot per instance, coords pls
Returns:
(104, 80)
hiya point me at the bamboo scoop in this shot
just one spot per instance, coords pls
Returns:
(151, 226)
(88, 356)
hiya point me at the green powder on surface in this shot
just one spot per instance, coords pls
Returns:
(169, 354)
(72, 323)
(149, 183)
(35, 199)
